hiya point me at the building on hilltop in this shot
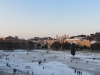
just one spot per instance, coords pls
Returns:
(61, 38)
(43, 41)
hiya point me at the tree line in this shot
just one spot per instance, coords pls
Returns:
(30, 45)
(55, 46)
(8, 45)
(67, 46)
(95, 46)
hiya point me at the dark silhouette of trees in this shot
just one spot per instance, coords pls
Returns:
(56, 45)
(63, 46)
(95, 46)
(30, 44)
(3, 45)
(38, 45)
(85, 47)
(66, 45)
(77, 47)
(73, 49)
(6, 45)
(45, 46)
(10, 45)
(95, 36)
(16, 45)
(24, 45)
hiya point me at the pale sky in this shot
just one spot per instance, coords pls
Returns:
(47, 18)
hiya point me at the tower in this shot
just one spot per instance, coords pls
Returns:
(56, 36)
(65, 36)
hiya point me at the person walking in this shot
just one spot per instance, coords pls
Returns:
(43, 68)
(79, 72)
(14, 71)
(32, 72)
(27, 72)
(75, 70)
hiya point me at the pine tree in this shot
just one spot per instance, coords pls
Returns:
(73, 49)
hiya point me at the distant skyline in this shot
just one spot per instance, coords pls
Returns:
(48, 18)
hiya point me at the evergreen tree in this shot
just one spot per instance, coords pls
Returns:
(73, 49)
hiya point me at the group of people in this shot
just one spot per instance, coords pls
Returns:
(29, 74)
(41, 61)
(78, 72)
(8, 65)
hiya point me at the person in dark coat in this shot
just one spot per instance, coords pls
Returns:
(32, 72)
(79, 72)
(14, 71)
(75, 70)
(43, 68)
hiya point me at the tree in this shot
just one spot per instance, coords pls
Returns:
(38, 45)
(45, 46)
(66, 45)
(95, 46)
(77, 47)
(73, 49)
(16, 45)
(9, 45)
(30, 44)
(56, 45)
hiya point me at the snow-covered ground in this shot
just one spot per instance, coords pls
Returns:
(57, 62)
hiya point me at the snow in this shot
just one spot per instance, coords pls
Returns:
(57, 62)
(73, 39)
(92, 42)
